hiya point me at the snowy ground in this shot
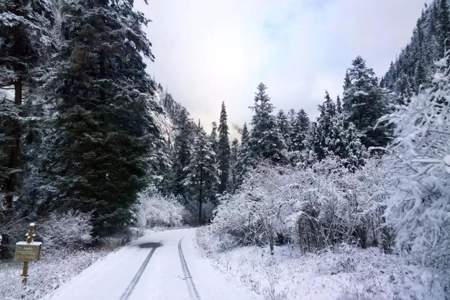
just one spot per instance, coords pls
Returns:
(162, 265)
(346, 273)
(48, 274)
(184, 264)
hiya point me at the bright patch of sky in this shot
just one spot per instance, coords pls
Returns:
(209, 51)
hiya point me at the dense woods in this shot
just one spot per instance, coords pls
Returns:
(85, 130)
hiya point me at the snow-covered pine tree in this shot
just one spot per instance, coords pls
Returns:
(244, 160)
(299, 131)
(202, 174)
(223, 151)
(364, 104)
(344, 142)
(415, 65)
(182, 154)
(234, 156)
(26, 43)
(332, 135)
(266, 142)
(26, 33)
(285, 128)
(444, 26)
(213, 136)
(291, 116)
(322, 140)
(339, 108)
(105, 128)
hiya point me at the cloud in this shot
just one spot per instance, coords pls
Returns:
(213, 51)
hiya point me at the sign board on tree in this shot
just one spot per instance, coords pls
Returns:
(27, 252)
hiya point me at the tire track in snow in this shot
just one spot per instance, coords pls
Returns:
(187, 274)
(138, 276)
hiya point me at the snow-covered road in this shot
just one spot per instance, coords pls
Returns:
(163, 265)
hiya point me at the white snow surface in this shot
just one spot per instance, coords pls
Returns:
(163, 277)
(341, 273)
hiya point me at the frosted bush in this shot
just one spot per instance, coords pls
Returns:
(156, 209)
(318, 206)
(70, 230)
(418, 167)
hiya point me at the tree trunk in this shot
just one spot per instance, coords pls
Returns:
(18, 91)
(271, 244)
(200, 208)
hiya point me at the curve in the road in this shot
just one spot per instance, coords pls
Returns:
(141, 270)
(187, 274)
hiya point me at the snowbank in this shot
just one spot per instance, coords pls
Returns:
(345, 272)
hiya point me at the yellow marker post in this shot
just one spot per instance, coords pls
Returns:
(27, 251)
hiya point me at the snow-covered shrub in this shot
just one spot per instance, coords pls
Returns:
(156, 209)
(318, 206)
(341, 206)
(70, 230)
(418, 168)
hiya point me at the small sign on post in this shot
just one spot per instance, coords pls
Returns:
(28, 251)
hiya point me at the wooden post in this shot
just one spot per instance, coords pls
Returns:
(25, 273)
(30, 235)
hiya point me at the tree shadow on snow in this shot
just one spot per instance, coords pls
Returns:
(148, 245)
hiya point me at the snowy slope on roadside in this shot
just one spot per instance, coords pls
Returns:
(46, 275)
(344, 273)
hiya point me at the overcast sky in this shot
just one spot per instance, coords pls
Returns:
(209, 51)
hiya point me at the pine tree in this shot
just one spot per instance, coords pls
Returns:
(343, 142)
(202, 178)
(291, 116)
(223, 151)
(105, 125)
(26, 32)
(322, 142)
(415, 67)
(244, 160)
(234, 162)
(310, 143)
(364, 104)
(284, 127)
(213, 136)
(444, 26)
(26, 43)
(334, 136)
(353, 152)
(182, 154)
(299, 131)
(420, 76)
(266, 141)
(339, 109)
